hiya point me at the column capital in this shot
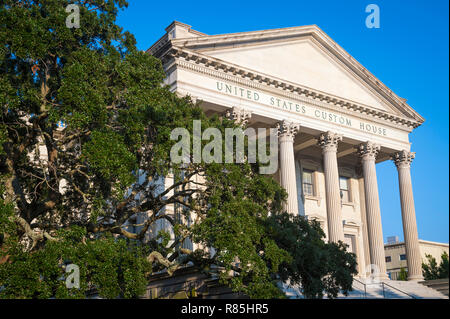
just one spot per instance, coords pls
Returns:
(329, 141)
(287, 129)
(368, 150)
(239, 115)
(403, 158)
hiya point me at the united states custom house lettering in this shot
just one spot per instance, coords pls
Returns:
(335, 121)
(371, 128)
(331, 117)
(237, 91)
(287, 105)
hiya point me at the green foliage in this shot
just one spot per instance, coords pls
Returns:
(234, 226)
(6, 211)
(112, 267)
(319, 267)
(108, 155)
(443, 267)
(432, 270)
(78, 201)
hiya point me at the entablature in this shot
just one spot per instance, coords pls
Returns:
(216, 68)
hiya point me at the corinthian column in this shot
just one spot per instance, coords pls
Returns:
(403, 161)
(329, 143)
(286, 134)
(368, 152)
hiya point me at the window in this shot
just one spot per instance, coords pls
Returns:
(388, 259)
(344, 188)
(402, 257)
(307, 182)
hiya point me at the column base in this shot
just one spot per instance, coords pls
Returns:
(375, 280)
(384, 277)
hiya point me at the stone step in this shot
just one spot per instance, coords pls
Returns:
(441, 285)
(398, 289)
(392, 290)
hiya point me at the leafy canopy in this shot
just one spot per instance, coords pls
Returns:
(91, 193)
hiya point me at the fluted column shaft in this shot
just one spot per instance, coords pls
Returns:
(286, 134)
(368, 152)
(413, 258)
(329, 143)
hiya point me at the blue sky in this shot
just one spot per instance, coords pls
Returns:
(409, 53)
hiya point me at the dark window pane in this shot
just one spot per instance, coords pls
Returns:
(344, 188)
(307, 182)
(307, 177)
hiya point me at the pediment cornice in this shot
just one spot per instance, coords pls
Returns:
(201, 63)
(195, 49)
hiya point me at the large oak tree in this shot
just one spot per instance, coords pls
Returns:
(72, 195)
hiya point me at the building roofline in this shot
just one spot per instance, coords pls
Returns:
(421, 241)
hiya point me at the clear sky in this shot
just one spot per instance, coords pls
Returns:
(409, 53)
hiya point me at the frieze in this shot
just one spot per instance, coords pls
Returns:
(254, 80)
(300, 108)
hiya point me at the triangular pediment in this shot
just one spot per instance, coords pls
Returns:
(303, 63)
(305, 56)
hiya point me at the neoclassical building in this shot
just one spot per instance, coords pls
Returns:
(335, 122)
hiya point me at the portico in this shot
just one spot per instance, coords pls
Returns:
(335, 122)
